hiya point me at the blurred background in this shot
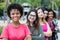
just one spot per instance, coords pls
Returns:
(27, 5)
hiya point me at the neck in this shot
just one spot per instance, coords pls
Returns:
(44, 19)
(50, 18)
(15, 23)
(40, 20)
(31, 23)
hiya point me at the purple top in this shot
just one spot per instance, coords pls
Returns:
(50, 22)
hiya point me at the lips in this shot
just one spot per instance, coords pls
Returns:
(15, 18)
(32, 18)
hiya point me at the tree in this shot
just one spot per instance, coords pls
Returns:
(1, 1)
(1, 12)
(32, 2)
(12, 1)
(58, 4)
(2, 4)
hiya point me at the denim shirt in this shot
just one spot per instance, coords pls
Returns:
(37, 33)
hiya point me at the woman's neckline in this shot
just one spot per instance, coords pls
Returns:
(14, 26)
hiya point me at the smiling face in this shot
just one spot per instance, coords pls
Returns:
(15, 15)
(32, 16)
(40, 13)
(50, 15)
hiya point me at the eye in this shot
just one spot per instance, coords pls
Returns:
(12, 14)
(17, 13)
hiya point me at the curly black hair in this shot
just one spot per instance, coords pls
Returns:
(14, 6)
(54, 14)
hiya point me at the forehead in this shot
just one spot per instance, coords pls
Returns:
(14, 10)
(32, 13)
(51, 12)
(39, 10)
(45, 11)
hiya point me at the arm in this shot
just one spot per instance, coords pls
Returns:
(28, 37)
(4, 39)
(27, 33)
(49, 32)
(4, 34)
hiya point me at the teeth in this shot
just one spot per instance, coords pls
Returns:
(15, 18)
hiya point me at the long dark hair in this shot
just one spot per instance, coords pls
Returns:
(35, 24)
(54, 14)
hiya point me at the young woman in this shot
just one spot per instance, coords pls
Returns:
(45, 13)
(44, 24)
(15, 30)
(52, 22)
(32, 18)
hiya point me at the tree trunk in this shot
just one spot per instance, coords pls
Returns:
(59, 13)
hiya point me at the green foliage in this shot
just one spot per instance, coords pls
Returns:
(21, 1)
(2, 5)
(1, 12)
(18, 1)
(1, 1)
(50, 6)
(32, 2)
(58, 2)
(1, 29)
(12, 1)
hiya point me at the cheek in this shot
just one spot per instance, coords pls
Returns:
(19, 16)
(31, 19)
(11, 16)
(35, 18)
(45, 15)
(50, 15)
(38, 15)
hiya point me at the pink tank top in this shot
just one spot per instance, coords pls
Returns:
(44, 28)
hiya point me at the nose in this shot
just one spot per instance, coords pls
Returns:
(32, 17)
